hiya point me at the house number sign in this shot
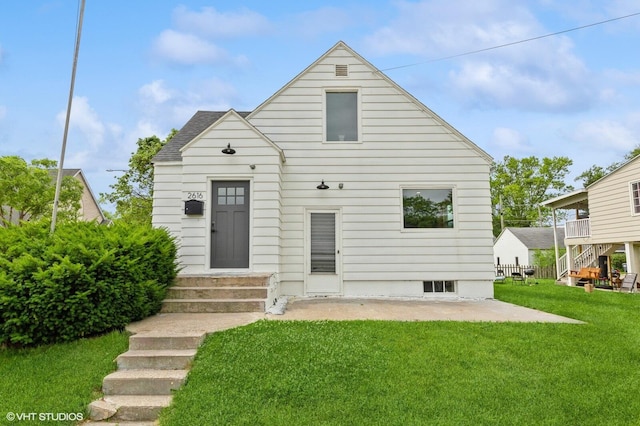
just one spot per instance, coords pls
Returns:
(195, 196)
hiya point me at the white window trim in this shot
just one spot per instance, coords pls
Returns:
(632, 204)
(350, 89)
(426, 187)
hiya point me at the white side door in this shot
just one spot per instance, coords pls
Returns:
(323, 269)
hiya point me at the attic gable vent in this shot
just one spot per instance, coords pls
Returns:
(342, 70)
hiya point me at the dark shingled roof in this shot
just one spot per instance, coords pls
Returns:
(537, 238)
(196, 125)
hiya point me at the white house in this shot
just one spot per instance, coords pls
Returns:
(341, 183)
(517, 246)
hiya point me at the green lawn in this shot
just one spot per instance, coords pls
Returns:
(62, 378)
(416, 373)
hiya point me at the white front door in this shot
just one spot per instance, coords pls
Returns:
(323, 259)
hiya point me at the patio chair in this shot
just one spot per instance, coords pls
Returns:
(517, 276)
(500, 277)
(629, 283)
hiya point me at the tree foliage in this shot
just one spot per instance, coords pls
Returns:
(133, 192)
(27, 191)
(518, 186)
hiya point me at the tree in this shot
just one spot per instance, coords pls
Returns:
(133, 192)
(518, 186)
(27, 191)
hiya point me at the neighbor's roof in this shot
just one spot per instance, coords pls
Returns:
(196, 125)
(537, 238)
(573, 200)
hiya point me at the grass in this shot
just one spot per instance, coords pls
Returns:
(417, 373)
(61, 378)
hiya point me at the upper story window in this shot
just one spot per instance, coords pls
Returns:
(342, 116)
(427, 208)
(635, 197)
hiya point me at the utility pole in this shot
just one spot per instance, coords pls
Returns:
(56, 199)
(501, 215)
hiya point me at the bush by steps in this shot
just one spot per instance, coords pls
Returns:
(83, 280)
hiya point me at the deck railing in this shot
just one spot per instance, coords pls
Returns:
(577, 228)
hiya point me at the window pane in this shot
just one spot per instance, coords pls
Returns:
(439, 287)
(323, 242)
(427, 208)
(448, 286)
(342, 116)
(635, 191)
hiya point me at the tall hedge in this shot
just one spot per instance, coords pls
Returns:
(84, 280)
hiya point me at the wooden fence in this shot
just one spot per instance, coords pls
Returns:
(540, 271)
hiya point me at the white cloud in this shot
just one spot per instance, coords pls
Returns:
(615, 135)
(86, 120)
(538, 75)
(155, 92)
(187, 49)
(211, 23)
(509, 139)
(163, 107)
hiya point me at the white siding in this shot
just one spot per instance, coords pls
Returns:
(168, 207)
(203, 163)
(402, 144)
(610, 209)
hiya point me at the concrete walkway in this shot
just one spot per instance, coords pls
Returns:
(350, 309)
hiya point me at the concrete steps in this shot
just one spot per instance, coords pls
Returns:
(217, 294)
(170, 359)
(143, 382)
(157, 362)
(212, 305)
(148, 373)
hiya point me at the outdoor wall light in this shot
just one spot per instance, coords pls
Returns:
(229, 150)
(322, 185)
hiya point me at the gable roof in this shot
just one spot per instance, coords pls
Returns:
(537, 238)
(342, 45)
(234, 113)
(203, 119)
(197, 124)
(622, 166)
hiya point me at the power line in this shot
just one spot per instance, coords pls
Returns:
(513, 42)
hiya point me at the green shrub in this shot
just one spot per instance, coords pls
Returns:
(84, 280)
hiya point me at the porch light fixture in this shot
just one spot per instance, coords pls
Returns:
(229, 150)
(322, 185)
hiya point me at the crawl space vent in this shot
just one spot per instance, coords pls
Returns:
(342, 70)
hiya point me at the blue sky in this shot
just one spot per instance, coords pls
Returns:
(146, 66)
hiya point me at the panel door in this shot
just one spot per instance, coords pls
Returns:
(230, 224)
(323, 253)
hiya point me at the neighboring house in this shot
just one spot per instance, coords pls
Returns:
(89, 207)
(612, 209)
(341, 183)
(517, 246)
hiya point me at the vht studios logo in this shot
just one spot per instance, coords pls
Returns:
(43, 417)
